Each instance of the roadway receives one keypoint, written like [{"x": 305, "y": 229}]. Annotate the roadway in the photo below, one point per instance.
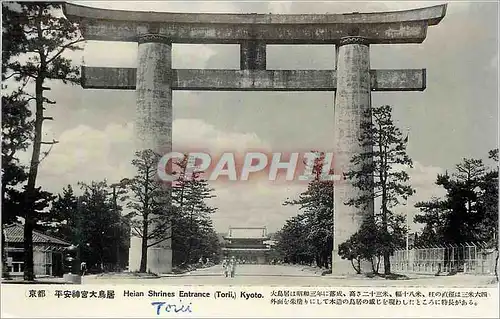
[{"x": 288, "y": 275}]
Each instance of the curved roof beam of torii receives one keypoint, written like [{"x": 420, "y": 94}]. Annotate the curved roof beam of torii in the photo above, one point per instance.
[
  {"x": 408, "y": 26},
  {"x": 432, "y": 15}
]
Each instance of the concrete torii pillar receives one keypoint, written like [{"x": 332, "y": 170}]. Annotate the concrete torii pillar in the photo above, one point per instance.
[
  {"x": 153, "y": 123},
  {"x": 352, "y": 100}
]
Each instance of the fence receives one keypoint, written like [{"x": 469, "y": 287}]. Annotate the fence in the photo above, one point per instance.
[{"x": 473, "y": 258}]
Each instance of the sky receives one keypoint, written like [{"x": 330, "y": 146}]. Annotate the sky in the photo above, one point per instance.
[{"x": 455, "y": 117}]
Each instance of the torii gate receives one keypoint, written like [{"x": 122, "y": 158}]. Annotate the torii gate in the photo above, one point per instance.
[{"x": 353, "y": 80}]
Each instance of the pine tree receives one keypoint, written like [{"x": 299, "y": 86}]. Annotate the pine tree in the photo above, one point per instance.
[
  {"x": 292, "y": 242},
  {"x": 365, "y": 244},
  {"x": 317, "y": 204},
  {"x": 434, "y": 219},
  {"x": 16, "y": 134},
  {"x": 40, "y": 34},
  {"x": 382, "y": 175},
  {"x": 118, "y": 195},
  {"x": 193, "y": 224},
  {"x": 17, "y": 131},
  {"x": 458, "y": 217},
  {"x": 489, "y": 203},
  {"x": 61, "y": 221},
  {"x": 96, "y": 226},
  {"x": 152, "y": 213},
  {"x": 469, "y": 211}
]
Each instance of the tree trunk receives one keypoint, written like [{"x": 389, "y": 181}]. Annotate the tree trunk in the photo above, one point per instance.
[
  {"x": 496, "y": 264},
  {"x": 5, "y": 272},
  {"x": 387, "y": 262},
  {"x": 372, "y": 261},
  {"x": 384, "y": 186},
  {"x": 29, "y": 217},
  {"x": 144, "y": 246},
  {"x": 101, "y": 252},
  {"x": 385, "y": 232},
  {"x": 358, "y": 269},
  {"x": 324, "y": 256},
  {"x": 117, "y": 229},
  {"x": 190, "y": 240}
]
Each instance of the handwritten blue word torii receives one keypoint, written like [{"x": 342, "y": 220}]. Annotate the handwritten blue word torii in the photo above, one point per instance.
[{"x": 171, "y": 307}]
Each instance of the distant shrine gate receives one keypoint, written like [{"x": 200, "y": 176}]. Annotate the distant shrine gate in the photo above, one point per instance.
[
  {"x": 248, "y": 245},
  {"x": 353, "y": 80}
]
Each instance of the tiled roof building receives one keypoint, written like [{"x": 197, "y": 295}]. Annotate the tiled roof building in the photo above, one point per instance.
[{"x": 15, "y": 234}]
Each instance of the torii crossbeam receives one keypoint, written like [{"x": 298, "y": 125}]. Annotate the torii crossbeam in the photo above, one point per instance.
[{"x": 353, "y": 80}]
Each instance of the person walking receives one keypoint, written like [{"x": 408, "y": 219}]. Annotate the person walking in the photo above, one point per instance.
[
  {"x": 232, "y": 266},
  {"x": 225, "y": 267},
  {"x": 83, "y": 268}
]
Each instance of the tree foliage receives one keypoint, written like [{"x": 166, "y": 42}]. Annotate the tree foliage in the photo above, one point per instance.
[
  {"x": 193, "y": 232},
  {"x": 365, "y": 244},
  {"x": 17, "y": 131},
  {"x": 36, "y": 35},
  {"x": 151, "y": 215},
  {"x": 381, "y": 175},
  {"x": 314, "y": 226},
  {"x": 292, "y": 242},
  {"x": 99, "y": 228},
  {"x": 469, "y": 210},
  {"x": 61, "y": 221},
  {"x": 93, "y": 221}
]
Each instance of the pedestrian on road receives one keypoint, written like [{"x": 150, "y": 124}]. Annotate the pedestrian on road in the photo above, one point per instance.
[
  {"x": 232, "y": 266},
  {"x": 83, "y": 268},
  {"x": 225, "y": 267}
]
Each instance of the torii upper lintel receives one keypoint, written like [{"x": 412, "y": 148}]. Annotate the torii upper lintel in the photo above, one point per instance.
[{"x": 408, "y": 26}]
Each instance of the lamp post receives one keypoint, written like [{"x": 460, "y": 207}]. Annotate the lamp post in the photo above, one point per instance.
[{"x": 72, "y": 265}]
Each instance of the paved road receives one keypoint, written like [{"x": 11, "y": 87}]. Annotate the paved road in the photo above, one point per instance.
[
  {"x": 278, "y": 275},
  {"x": 257, "y": 270}
]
